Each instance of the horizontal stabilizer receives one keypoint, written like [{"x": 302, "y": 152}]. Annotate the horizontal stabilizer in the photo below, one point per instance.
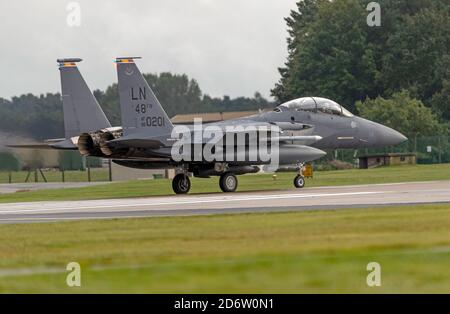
[
  {"x": 63, "y": 145},
  {"x": 66, "y": 144},
  {"x": 31, "y": 146}
]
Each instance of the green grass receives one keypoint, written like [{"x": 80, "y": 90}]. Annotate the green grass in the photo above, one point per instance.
[
  {"x": 97, "y": 174},
  {"x": 141, "y": 188},
  {"x": 318, "y": 251}
]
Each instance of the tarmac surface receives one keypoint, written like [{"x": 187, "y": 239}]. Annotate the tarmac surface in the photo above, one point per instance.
[{"x": 322, "y": 198}]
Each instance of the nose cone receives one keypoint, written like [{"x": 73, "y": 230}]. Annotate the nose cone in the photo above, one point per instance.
[
  {"x": 371, "y": 134},
  {"x": 388, "y": 137}
]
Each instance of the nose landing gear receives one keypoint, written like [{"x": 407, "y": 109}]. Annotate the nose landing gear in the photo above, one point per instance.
[
  {"x": 181, "y": 184},
  {"x": 299, "y": 180}
]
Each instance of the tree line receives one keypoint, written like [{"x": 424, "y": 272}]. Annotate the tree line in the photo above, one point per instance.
[
  {"x": 41, "y": 117},
  {"x": 397, "y": 74}
]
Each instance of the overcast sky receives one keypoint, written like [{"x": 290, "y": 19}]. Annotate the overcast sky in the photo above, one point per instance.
[{"x": 232, "y": 47}]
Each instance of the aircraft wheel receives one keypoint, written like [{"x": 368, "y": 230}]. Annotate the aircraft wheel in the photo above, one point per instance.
[
  {"x": 228, "y": 182},
  {"x": 299, "y": 181},
  {"x": 181, "y": 184}
]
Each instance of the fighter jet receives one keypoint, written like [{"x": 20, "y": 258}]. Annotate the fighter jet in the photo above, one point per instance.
[
  {"x": 293, "y": 133},
  {"x": 299, "y": 129}
]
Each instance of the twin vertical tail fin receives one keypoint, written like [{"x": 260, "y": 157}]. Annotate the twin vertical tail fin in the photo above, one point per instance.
[
  {"x": 140, "y": 109},
  {"x": 142, "y": 114},
  {"x": 82, "y": 113}
]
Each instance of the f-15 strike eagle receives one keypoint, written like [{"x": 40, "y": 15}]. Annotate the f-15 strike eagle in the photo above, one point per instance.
[{"x": 293, "y": 133}]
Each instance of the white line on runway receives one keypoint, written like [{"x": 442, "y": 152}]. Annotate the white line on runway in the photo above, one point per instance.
[
  {"x": 185, "y": 201},
  {"x": 74, "y": 218}
]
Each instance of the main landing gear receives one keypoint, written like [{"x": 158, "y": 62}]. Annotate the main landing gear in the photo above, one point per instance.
[
  {"x": 228, "y": 182},
  {"x": 181, "y": 183}
]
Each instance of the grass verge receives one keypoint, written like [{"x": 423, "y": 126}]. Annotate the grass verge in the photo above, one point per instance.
[{"x": 317, "y": 251}]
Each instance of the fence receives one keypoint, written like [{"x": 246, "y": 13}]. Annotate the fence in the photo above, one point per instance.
[
  {"x": 36, "y": 167},
  {"x": 429, "y": 150}
]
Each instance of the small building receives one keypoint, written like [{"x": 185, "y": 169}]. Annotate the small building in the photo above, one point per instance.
[{"x": 388, "y": 159}]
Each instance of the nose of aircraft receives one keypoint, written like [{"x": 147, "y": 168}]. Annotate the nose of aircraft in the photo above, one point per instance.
[
  {"x": 390, "y": 137},
  {"x": 377, "y": 135},
  {"x": 385, "y": 136}
]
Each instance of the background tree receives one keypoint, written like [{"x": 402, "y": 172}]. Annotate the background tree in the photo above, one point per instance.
[
  {"x": 336, "y": 54},
  {"x": 441, "y": 101},
  {"x": 225, "y": 103},
  {"x": 41, "y": 117},
  {"x": 298, "y": 23},
  {"x": 402, "y": 113},
  {"x": 332, "y": 57},
  {"x": 34, "y": 116},
  {"x": 417, "y": 54}
]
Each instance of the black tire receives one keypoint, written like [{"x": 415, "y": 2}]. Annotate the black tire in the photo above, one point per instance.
[
  {"x": 181, "y": 184},
  {"x": 299, "y": 181},
  {"x": 228, "y": 182}
]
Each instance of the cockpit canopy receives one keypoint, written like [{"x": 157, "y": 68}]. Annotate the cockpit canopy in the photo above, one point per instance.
[{"x": 315, "y": 104}]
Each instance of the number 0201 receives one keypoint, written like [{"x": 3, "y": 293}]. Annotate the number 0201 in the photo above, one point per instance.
[{"x": 154, "y": 121}]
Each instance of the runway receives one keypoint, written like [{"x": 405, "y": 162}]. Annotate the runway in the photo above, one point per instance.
[
  {"x": 16, "y": 187},
  {"x": 221, "y": 203}
]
